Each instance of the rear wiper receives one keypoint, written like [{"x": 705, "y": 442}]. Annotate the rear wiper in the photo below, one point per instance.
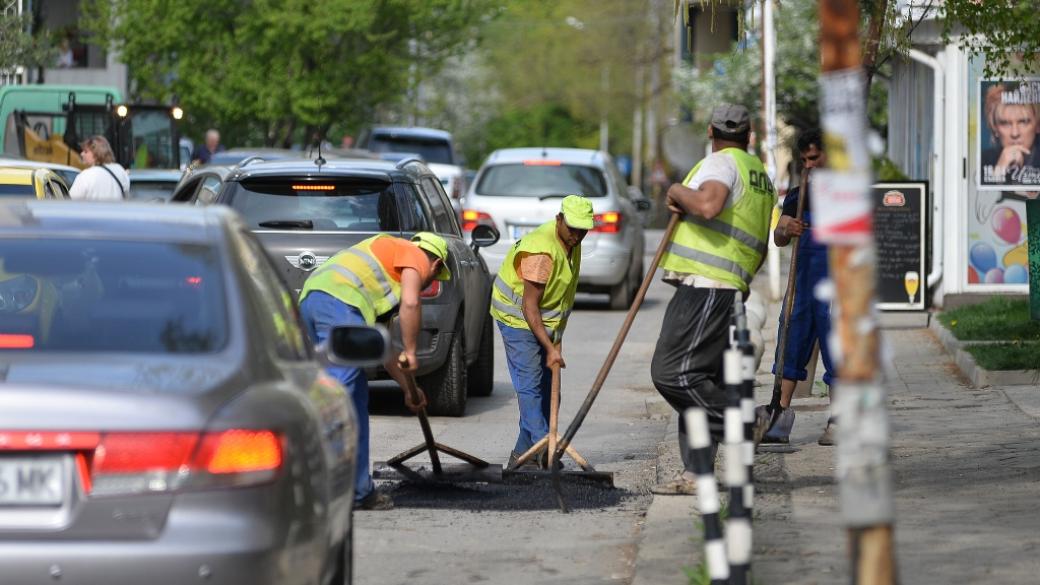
[
  {"x": 552, "y": 196},
  {"x": 292, "y": 224}
]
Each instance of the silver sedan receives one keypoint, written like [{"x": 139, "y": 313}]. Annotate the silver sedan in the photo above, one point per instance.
[{"x": 162, "y": 417}]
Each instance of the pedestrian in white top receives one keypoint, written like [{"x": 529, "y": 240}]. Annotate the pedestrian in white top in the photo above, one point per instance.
[{"x": 103, "y": 179}]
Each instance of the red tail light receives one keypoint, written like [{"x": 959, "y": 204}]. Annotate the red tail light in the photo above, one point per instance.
[
  {"x": 607, "y": 223},
  {"x": 128, "y": 463},
  {"x": 432, "y": 291},
  {"x": 471, "y": 218}
]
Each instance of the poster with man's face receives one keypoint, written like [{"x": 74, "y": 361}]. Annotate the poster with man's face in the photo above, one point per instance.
[{"x": 1009, "y": 120}]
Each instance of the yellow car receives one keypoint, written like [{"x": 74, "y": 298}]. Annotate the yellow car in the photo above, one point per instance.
[{"x": 29, "y": 182}]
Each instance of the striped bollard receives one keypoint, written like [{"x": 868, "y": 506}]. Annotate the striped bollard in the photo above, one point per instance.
[
  {"x": 707, "y": 495},
  {"x": 738, "y": 527},
  {"x": 747, "y": 401}
]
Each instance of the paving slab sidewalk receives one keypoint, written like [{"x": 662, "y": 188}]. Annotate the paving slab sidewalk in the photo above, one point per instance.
[{"x": 966, "y": 465}]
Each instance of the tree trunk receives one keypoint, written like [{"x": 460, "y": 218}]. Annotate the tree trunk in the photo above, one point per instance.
[{"x": 873, "y": 46}]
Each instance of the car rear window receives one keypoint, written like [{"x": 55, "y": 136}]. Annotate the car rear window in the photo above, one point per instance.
[
  {"x": 17, "y": 191},
  {"x": 109, "y": 295},
  {"x": 342, "y": 205},
  {"x": 151, "y": 190},
  {"x": 541, "y": 180},
  {"x": 432, "y": 150}
]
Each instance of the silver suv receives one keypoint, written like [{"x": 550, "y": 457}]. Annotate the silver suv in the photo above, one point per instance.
[{"x": 518, "y": 189}]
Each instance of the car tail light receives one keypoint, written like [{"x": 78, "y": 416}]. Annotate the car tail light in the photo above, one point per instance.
[
  {"x": 541, "y": 162},
  {"x": 129, "y": 463},
  {"x": 607, "y": 223},
  {"x": 16, "y": 341},
  {"x": 433, "y": 291},
  {"x": 471, "y": 218}
]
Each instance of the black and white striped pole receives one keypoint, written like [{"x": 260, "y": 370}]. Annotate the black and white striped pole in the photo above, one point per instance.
[
  {"x": 747, "y": 398},
  {"x": 738, "y": 527},
  {"x": 707, "y": 495}
]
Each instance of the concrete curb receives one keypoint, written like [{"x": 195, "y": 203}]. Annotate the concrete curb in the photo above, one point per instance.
[{"x": 978, "y": 376}]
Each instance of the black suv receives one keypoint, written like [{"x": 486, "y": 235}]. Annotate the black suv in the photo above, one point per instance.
[{"x": 305, "y": 211}]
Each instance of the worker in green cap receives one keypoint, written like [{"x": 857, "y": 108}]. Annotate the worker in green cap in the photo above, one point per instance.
[
  {"x": 357, "y": 286},
  {"x": 531, "y": 300}
]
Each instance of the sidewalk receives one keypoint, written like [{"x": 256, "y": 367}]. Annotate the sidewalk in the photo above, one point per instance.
[{"x": 966, "y": 464}]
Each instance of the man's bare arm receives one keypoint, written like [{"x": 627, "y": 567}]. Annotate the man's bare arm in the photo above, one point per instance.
[{"x": 707, "y": 202}]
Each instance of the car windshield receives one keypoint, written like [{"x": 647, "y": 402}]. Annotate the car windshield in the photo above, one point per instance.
[
  {"x": 542, "y": 180},
  {"x": 151, "y": 190},
  {"x": 340, "y": 205},
  {"x": 432, "y": 150},
  {"x": 110, "y": 295},
  {"x": 17, "y": 191}
]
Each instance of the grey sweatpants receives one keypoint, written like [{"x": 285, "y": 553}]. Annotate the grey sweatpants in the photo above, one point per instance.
[{"x": 687, "y": 364}]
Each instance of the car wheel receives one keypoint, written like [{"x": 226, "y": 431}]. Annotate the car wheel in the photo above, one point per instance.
[
  {"x": 481, "y": 375},
  {"x": 446, "y": 388},
  {"x": 623, "y": 293},
  {"x": 344, "y": 574}
]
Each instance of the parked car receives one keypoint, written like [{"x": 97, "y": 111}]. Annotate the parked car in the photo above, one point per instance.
[
  {"x": 200, "y": 185},
  {"x": 304, "y": 212},
  {"x": 518, "y": 189},
  {"x": 153, "y": 185},
  {"x": 167, "y": 408},
  {"x": 435, "y": 147},
  {"x": 66, "y": 172},
  {"x": 38, "y": 183}
]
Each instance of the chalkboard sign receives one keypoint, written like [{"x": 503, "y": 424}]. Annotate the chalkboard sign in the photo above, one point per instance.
[{"x": 900, "y": 213}]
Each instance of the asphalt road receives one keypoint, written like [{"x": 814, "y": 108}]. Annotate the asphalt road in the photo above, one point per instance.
[{"x": 513, "y": 533}]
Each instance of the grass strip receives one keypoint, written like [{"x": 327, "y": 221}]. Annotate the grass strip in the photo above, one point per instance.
[
  {"x": 998, "y": 319},
  {"x": 1006, "y": 356}
]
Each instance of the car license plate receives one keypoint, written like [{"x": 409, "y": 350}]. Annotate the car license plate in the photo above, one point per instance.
[
  {"x": 31, "y": 481},
  {"x": 519, "y": 231}
]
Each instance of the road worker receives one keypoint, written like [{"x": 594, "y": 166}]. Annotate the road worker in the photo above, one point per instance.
[
  {"x": 726, "y": 202},
  {"x": 357, "y": 286},
  {"x": 531, "y": 300}
]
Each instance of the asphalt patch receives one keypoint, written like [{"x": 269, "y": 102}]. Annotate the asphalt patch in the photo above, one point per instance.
[{"x": 516, "y": 494}]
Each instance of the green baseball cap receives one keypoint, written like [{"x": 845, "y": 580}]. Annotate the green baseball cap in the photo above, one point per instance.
[
  {"x": 577, "y": 212},
  {"x": 435, "y": 245}
]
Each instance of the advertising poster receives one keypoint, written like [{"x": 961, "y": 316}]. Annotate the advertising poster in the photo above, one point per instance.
[
  {"x": 900, "y": 211},
  {"x": 1007, "y": 163}
]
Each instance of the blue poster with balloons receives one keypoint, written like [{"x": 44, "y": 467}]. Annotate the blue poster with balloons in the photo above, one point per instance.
[{"x": 997, "y": 251}]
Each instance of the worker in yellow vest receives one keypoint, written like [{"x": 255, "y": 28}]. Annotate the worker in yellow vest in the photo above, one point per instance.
[
  {"x": 531, "y": 300},
  {"x": 357, "y": 286},
  {"x": 715, "y": 251}
]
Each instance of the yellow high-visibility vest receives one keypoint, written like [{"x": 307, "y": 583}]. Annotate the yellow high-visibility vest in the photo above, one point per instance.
[
  {"x": 356, "y": 277},
  {"x": 730, "y": 247},
  {"x": 558, "y": 299}
]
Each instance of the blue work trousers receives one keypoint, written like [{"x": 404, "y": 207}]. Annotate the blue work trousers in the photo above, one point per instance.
[
  {"x": 321, "y": 312},
  {"x": 810, "y": 320},
  {"x": 532, "y": 381}
]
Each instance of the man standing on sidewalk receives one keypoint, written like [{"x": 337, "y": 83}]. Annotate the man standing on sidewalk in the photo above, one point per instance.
[
  {"x": 727, "y": 201},
  {"x": 531, "y": 300},
  {"x": 810, "y": 320},
  {"x": 356, "y": 286}
]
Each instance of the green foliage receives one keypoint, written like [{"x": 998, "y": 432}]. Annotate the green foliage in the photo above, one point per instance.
[
  {"x": 278, "y": 71},
  {"x": 886, "y": 170},
  {"x": 20, "y": 48},
  {"x": 997, "y": 319},
  {"x": 1006, "y": 32},
  {"x": 1007, "y": 356}
]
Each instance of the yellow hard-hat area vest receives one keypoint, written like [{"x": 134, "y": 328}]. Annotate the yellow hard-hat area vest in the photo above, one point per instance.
[
  {"x": 357, "y": 278},
  {"x": 728, "y": 248},
  {"x": 558, "y": 299}
]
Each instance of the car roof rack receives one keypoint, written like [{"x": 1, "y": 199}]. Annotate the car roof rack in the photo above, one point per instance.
[
  {"x": 250, "y": 160},
  {"x": 408, "y": 160}
]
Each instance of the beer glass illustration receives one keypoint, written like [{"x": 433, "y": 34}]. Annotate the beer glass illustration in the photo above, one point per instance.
[{"x": 911, "y": 280}]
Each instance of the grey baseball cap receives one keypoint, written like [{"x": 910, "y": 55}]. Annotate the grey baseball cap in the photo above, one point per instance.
[{"x": 730, "y": 118}]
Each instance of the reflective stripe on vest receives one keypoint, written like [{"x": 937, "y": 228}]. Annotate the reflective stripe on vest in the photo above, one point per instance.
[
  {"x": 732, "y": 231},
  {"x": 377, "y": 269},
  {"x": 710, "y": 259},
  {"x": 517, "y": 303}
]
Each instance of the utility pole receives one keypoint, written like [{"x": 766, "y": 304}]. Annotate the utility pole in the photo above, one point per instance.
[{"x": 842, "y": 217}]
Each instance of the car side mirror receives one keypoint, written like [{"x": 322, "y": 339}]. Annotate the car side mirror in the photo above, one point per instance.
[
  {"x": 484, "y": 235},
  {"x": 357, "y": 345}
]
